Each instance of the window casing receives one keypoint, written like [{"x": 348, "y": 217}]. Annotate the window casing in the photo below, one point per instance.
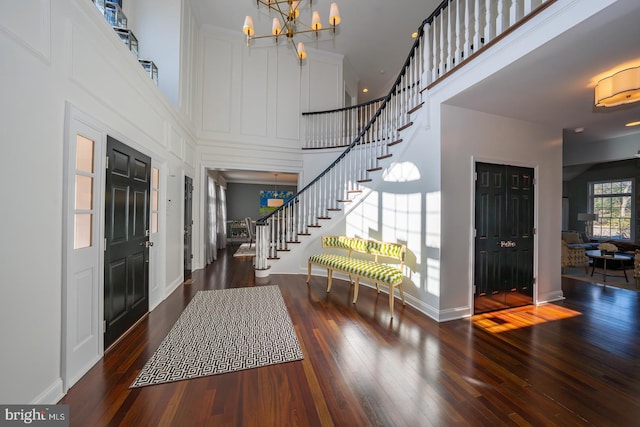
[{"x": 613, "y": 202}]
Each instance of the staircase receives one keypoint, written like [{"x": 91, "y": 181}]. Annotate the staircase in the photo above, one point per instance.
[{"x": 452, "y": 35}]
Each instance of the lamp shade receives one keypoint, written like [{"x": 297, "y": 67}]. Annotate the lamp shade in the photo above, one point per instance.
[
  {"x": 334, "y": 14},
  {"x": 587, "y": 216},
  {"x": 276, "y": 28},
  {"x": 247, "y": 28},
  {"x": 294, "y": 11},
  {"x": 315, "y": 21},
  {"x": 301, "y": 52},
  {"x": 620, "y": 88}
]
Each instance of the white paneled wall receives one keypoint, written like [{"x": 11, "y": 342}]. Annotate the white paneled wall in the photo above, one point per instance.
[
  {"x": 255, "y": 94},
  {"x": 57, "y": 57}
]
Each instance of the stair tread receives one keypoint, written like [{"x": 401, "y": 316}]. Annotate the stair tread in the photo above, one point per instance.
[
  {"x": 397, "y": 141},
  {"x": 403, "y": 127},
  {"x": 416, "y": 108}
]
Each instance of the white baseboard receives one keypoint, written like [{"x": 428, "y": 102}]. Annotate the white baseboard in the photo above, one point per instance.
[
  {"x": 172, "y": 287},
  {"x": 421, "y": 306},
  {"x": 51, "y": 395},
  {"x": 557, "y": 295}
]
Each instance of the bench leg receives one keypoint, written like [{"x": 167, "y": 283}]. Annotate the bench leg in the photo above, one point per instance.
[
  {"x": 355, "y": 289},
  {"x": 391, "y": 299},
  {"x": 377, "y": 286},
  {"x": 329, "y": 277},
  {"x": 309, "y": 273}
]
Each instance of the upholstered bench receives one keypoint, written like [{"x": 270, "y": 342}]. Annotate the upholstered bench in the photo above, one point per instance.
[{"x": 371, "y": 268}]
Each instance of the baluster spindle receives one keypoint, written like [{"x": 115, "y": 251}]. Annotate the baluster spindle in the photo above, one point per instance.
[
  {"x": 500, "y": 18},
  {"x": 488, "y": 29},
  {"x": 466, "y": 47}
]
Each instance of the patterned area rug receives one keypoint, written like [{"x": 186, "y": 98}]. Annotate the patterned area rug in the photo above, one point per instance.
[
  {"x": 246, "y": 249},
  {"x": 614, "y": 278},
  {"x": 223, "y": 331}
]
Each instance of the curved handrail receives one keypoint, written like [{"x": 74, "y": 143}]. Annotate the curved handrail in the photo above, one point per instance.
[
  {"x": 363, "y": 132},
  {"x": 337, "y": 110}
]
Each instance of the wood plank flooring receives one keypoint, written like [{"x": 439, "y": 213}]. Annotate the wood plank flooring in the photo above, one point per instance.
[{"x": 574, "y": 363}]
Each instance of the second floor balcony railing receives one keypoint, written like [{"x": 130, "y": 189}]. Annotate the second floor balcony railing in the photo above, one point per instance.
[{"x": 453, "y": 34}]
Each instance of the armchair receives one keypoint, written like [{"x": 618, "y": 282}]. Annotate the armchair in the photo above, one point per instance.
[{"x": 576, "y": 257}]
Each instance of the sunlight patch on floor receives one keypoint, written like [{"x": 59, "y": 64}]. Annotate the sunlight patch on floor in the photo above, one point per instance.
[{"x": 521, "y": 317}]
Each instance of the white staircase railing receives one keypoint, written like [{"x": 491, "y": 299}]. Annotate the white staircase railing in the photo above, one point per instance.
[{"x": 453, "y": 34}]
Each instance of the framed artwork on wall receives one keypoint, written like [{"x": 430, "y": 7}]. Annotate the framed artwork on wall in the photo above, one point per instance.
[{"x": 270, "y": 200}]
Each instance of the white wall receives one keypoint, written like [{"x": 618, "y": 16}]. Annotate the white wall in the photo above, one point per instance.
[
  {"x": 157, "y": 25},
  {"x": 248, "y": 104},
  {"x": 495, "y": 139},
  {"x": 54, "y": 54}
]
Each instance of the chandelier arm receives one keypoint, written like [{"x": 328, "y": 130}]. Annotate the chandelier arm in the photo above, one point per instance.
[{"x": 268, "y": 36}]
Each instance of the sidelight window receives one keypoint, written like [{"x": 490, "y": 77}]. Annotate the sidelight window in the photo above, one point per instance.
[
  {"x": 612, "y": 202},
  {"x": 155, "y": 193},
  {"x": 83, "y": 207}
]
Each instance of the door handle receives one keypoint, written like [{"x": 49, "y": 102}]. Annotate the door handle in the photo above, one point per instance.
[
  {"x": 507, "y": 244},
  {"x": 146, "y": 244}
]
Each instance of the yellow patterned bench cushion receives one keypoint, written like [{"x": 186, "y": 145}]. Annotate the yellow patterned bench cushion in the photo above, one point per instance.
[
  {"x": 363, "y": 268},
  {"x": 366, "y": 268}
]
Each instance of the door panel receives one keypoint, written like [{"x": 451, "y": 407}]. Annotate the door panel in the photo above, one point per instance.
[
  {"x": 188, "y": 226},
  {"x": 503, "y": 272},
  {"x": 127, "y": 196}
]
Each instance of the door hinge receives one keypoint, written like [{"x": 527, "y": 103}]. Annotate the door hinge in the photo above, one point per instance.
[
  {"x": 191, "y": 256},
  {"x": 533, "y": 282},
  {"x": 107, "y": 162},
  {"x": 104, "y": 326},
  {"x": 475, "y": 176},
  {"x": 474, "y": 289},
  {"x": 534, "y": 231},
  {"x": 105, "y": 244},
  {"x": 475, "y": 233}
]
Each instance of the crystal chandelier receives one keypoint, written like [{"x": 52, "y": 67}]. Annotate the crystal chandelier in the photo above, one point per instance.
[{"x": 287, "y": 23}]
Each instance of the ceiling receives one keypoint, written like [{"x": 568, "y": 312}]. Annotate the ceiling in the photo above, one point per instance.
[{"x": 374, "y": 37}]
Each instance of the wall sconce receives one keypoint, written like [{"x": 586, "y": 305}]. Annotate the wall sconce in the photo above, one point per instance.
[{"x": 620, "y": 88}]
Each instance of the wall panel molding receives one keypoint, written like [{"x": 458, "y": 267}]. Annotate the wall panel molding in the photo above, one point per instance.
[{"x": 29, "y": 23}]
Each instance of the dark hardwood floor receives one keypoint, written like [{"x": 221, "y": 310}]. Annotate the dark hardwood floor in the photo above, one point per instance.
[{"x": 572, "y": 363}]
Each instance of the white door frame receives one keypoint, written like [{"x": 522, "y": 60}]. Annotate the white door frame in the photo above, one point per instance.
[
  {"x": 82, "y": 269},
  {"x": 82, "y": 330}
]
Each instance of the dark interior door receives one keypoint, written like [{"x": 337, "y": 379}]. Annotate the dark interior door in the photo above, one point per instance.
[
  {"x": 188, "y": 226},
  {"x": 126, "y": 268},
  {"x": 504, "y": 237}
]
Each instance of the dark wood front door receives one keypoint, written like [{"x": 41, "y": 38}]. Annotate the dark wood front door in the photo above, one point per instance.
[
  {"x": 126, "y": 257},
  {"x": 188, "y": 226},
  {"x": 504, "y": 237}
]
